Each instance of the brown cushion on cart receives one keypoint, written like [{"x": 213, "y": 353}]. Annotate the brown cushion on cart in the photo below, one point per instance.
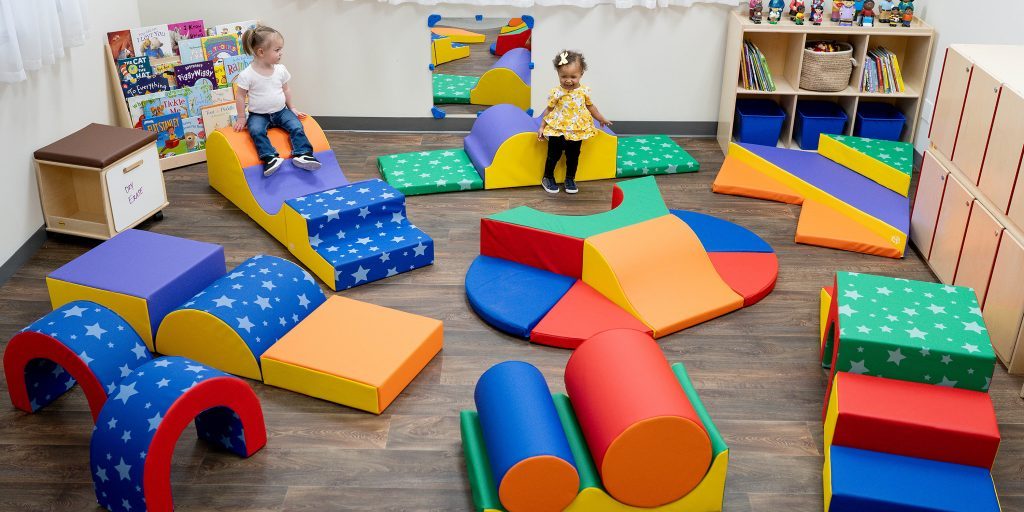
[{"x": 96, "y": 145}]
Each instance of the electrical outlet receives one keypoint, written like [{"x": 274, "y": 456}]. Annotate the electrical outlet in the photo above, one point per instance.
[{"x": 927, "y": 110}]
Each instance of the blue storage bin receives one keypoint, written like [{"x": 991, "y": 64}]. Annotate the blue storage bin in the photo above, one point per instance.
[
  {"x": 879, "y": 121},
  {"x": 758, "y": 122},
  {"x": 814, "y": 118}
]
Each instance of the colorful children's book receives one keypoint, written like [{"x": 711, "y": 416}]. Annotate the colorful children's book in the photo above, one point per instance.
[
  {"x": 133, "y": 68},
  {"x": 234, "y": 65},
  {"x": 236, "y": 29},
  {"x": 222, "y": 95},
  {"x": 191, "y": 51},
  {"x": 170, "y": 133},
  {"x": 183, "y": 31},
  {"x": 195, "y": 134},
  {"x": 219, "y": 116},
  {"x": 145, "y": 85},
  {"x": 137, "y": 106},
  {"x": 199, "y": 95},
  {"x": 219, "y": 47},
  {"x": 188, "y": 75},
  {"x": 174, "y": 101},
  {"x": 218, "y": 70},
  {"x": 120, "y": 43},
  {"x": 153, "y": 41}
]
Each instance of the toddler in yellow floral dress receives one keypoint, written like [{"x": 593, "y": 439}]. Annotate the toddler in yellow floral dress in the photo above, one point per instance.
[{"x": 568, "y": 120}]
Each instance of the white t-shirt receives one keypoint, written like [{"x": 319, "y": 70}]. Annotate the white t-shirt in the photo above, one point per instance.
[{"x": 266, "y": 93}]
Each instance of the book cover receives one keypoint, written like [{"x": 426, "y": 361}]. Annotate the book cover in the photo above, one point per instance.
[
  {"x": 195, "y": 134},
  {"x": 219, "y": 116},
  {"x": 198, "y": 96},
  {"x": 222, "y": 95},
  {"x": 174, "y": 101},
  {"x": 219, "y": 47},
  {"x": 120, "y": 43},
  {"x": 145, "y": 85},
  {"x": 133, "y": 68},
  {"x": 137, "y": 106},
  {"x": 234, "y": 65},
  {"x": 191, "y": 51},
  {"x": 165, "y": 67},
  {"x": 236, "y": 29},
  {"x": 184, "y": 31},
  {"x": 218, "y": 70},
  {"x": 169, "y": 134},
  {"x": 153, "y": 41},
  {"x": 187, "y": 75}
]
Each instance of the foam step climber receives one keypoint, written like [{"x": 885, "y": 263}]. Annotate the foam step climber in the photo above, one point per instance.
[
  {"x": 651, "y": 154},
  {"x": 430, "y": 172}
]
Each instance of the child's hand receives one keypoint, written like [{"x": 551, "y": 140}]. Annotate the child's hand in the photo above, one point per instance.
[
  {"x": 540, "y": 134},
  {"x": 606, "y": 122},
  {"x": 239, "y": 125},
  {"x": 299, "y": 114}
]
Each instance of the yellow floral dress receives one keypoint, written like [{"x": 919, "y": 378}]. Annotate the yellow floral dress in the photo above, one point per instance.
[{"x": 568, "y": 115}]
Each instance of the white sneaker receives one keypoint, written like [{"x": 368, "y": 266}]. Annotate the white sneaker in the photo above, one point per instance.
[
  {"x": 271, "y": 166},
  {"x": 307, "y": 162}
]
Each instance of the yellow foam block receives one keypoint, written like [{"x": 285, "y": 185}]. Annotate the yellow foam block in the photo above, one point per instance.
[
  {"x": 659, "y": 272},
  {"x": 441, "y": 51},
  {"x": 826, "y": 304},
  {"x": 459, "y": 35},
  {"x": 863, "y": 164},
  {"x": 353, "y": 353},
  {"x": 519, "y": 161},
  {"x": 202, "y": 337},
  {"x": 706, "y": 497},
  {"x": 135, "y": 310},
  {"x": 812, "y": 193},
  {"x": 500, "y": 85},
  {"x": 297, "y": 242}
]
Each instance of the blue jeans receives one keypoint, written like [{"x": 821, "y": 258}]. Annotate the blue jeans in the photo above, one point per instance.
[{"x": 258, "y": 125}]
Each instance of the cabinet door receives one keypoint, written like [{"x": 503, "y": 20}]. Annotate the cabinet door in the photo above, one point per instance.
[
  {"x": 949, "y": 104},
  {"x": 976, "y": 123},
  {"x": 1004, "y": 303},
  {"x": 930, "y": 185},
  {"x": 980, "y": 245},
  {"x": 135, "y": 186},
  {"x": 950, "y": 229},
  {"x": 1005, "y": 147}
]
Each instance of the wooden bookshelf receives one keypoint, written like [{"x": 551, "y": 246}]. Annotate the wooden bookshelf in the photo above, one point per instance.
[{"x": 782, "y": 46}]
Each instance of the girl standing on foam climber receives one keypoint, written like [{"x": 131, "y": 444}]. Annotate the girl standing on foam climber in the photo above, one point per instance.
[
  {"x": 265, "y": 83},
  {"x": 568, "y": 120}
]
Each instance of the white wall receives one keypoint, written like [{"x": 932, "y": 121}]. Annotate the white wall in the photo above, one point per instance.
[{"x": 52, "y": 103}]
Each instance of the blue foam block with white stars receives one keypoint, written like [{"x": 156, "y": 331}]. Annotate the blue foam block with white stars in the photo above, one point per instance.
[
  {"x": 261, "y": 299},
  {"x": 102, "y": 340},
  {"x": 131, "y": 417},
  {"x": 362, "y": 231}
]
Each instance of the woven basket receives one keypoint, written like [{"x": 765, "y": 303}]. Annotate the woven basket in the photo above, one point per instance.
[{"x": 827, "y": 71}]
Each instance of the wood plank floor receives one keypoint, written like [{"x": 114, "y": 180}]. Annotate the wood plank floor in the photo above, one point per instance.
[{"x": 755, "y": 369}]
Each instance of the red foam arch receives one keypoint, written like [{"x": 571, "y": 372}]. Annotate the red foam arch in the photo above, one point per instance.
[{"x": 27, "y": 346}]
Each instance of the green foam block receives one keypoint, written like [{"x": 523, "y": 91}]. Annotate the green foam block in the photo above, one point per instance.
[
  {"x": 430, "y": 172},
  {"x": 652, "y": 154},
  {"x": 453, "y": 88}
]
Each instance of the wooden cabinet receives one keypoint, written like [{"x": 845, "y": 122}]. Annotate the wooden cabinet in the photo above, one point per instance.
[
  {"x": 949, "y": 104},
  {"x": 954, "y": 212},
  {"x": 1003, "y": 308},
  {"x": 930, "y": 186},
  {"x": 981, "y": 241},
  {"x": 1000, "y": 170},
  {"x": 976, "y": 123}
]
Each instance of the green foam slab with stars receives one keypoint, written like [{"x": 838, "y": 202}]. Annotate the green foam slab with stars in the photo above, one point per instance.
[
  {"x": 453, "y": 88},
  {"x": 430, "y": 172},
  {"x": 652, "y": 154}
]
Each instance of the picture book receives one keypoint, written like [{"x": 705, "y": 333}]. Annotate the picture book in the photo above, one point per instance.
[
  {"x": 191, "y": 51},
  {"x": 137, "y": 106},
  {"x": 165, "y": 67},
  {"x": 234, "y": 65},
  {"x": 223, "y": 94},
  {"x": 195, "y": 134},
  {"x": 145, "y": 85},
  {"x": 236, "y": 29},
  {"x": 169, "y": 131},
  {"x": 133, "y": 68},
  {"x": 219, "y": 116},
  {"x": 120, "y": 43},
  {"x": 174, "y": 101},
  {"x": 219, "y": 47},
  {"x": 187, "y": 75},
  {"x": 218, "y": 70},
  {"x": 184, "y": 31},
  {"x": 198, "y": 96},
  {"x": 153, "y": 41}
]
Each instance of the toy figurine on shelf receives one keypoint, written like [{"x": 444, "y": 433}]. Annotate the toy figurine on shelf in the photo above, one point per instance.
[
  {"x": 799, "y": 19},
  {"x": 884, "y": 11},
  {"x": 858, "y": 6},
  {"x": 867, "y": 16},
  {"x": 794, "y": 8},
  {"x": 818, "y": 15},
  {"x": 846, "y": 14},
  {"x": 907, "y": 8},
  {"x": 894, "y": 16},
  {"x": 775, "y": 11},
  {"x": 756, "y": 11}
]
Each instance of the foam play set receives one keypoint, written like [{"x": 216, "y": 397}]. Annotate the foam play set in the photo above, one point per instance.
[
  {"x": 516, "y": 34},
  {"x": 842, "y": 208},
  {"x": 444, "y": 49},
  {"x": 631, "y": 434},
  {"x": 346, "y": 234},
  {"x": 506, "y": 81},
  {"x": 502, "y": 151},
  {"x": 542, "y": 276}
]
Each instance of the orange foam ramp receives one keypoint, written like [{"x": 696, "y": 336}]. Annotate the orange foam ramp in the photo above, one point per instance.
[
  {"x": 244, "y": 148},
  {"x": 581, "y": 314},
  {"x": 353, "y": 353},
  {"x": 750, "y": 274},
  {"x": 825, "y": 227},
  {"x": 658, "y": 271},
  {"x": 738, "y": 178}
]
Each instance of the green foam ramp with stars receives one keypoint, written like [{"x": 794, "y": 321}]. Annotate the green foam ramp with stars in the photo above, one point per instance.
[
  {"x": 430, "y": 172},
  {"x": 888, "y": 163},
  {"x": 652, "y": 154}
]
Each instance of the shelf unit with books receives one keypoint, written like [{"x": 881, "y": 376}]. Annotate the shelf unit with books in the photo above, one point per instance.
[{"x": 783, "y": 45}]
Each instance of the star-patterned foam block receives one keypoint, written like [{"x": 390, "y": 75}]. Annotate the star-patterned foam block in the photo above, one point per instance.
[
  {"x": 363, "y": 232},
  {"x": 238, "y": 317},
  {"x": 78, "y": 342},
  {"x": 430, "y": 172},
  {"x": 453, "y": 88},
  {"x": 652, "y": 154},
  {"x": 908, "y": 330},
  {"x": 134, "y": 438},
  {"x": 888, "y": 163}
]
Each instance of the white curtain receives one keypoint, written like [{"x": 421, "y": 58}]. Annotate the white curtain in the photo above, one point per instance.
[
  {"x": 622, "y": 4},
  {"x": 34, "y": 33}
]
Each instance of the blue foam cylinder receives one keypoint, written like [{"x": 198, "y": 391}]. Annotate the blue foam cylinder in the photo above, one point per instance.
[{"x": 518, "y": 417}]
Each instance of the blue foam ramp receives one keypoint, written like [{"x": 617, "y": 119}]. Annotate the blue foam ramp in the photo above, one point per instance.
[
  {"x": 863, "y": 480},
  {"x": 513, "y": 297},
  {"x": 717, "y": 235}
]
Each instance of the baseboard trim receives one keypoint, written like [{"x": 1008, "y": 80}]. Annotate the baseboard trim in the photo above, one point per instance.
[
  {"x": 463, "y": 124},
  {"x": 23, "y": 254}
]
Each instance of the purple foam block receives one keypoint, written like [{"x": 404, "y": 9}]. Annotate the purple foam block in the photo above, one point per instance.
[
  {"x": 494, "y": 126},
  {"x": 164, "y": 270},
  {"x": 518, "y": 60},
  {"x": 290, "y": 182},
  {"x": 841, "y": 183}
]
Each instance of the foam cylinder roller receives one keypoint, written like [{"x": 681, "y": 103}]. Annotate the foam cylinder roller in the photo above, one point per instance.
[
  {"x": 647, "y": 441},
  {"x": 529, "y": 454}
]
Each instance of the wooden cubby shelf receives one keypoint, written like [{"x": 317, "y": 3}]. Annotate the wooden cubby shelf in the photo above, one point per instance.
[{"x": 783, "y": 45}]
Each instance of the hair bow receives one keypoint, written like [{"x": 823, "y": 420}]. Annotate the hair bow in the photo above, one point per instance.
[{"x": 564, "y": 58}]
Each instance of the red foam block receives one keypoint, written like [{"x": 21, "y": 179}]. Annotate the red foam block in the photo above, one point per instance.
[
  {"x": 534, "y": 247},
  {"x": 581, "y": 314},
  {"x": 750, "y": 274}
]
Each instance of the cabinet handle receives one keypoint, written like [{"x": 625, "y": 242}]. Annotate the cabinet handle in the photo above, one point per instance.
[
  {"x": 967, "y": 69},
  {"x": 132, "y": 167}
]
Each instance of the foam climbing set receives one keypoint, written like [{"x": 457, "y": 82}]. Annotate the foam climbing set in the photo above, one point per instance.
[
  {"x": 644, "y": 267},
  {"x": 502, "y": 150},
  {"x": 649, "y": 444},
  {"x": 346, "y": 234},
  {"x": 841, "y": 208},
  {"x": 888, "y": 163},
  {"x": 506, "y": 81}
]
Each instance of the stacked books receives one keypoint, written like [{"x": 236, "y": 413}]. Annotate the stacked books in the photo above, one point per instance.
[
  {"x": 882, "y": 72},
  {"x": 754, "y": 71}
]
